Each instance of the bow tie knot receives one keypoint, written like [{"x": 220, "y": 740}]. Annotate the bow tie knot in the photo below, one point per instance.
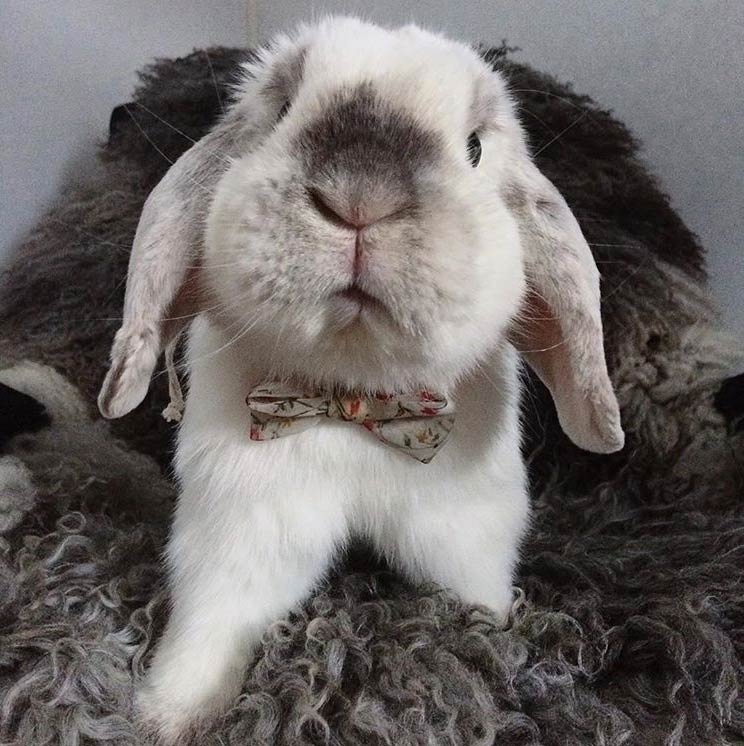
[{"x": 417, "y": 424}]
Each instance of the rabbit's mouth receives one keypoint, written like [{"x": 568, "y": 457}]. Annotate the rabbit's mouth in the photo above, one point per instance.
[
  {"x": 352, "y": 304},
  {"x": 355, "y": 294}
]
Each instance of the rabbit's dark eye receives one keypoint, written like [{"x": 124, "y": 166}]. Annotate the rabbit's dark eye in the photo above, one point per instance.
[
  {"x": 474, "y": 149},
  {"x": 283, "y": 111}
]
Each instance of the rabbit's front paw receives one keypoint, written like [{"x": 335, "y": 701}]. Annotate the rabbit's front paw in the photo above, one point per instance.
[{"x": 179, "y": 711}]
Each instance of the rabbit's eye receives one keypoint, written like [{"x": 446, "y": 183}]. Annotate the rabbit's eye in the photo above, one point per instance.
[
  {"x": 474, "y": 149},
  {"x": 283, "y": 111}
]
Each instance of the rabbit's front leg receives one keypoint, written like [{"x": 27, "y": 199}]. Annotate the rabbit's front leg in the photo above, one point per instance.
[
  {"x": 240, "y": 556},
  {"x": 464, "y": 536}
]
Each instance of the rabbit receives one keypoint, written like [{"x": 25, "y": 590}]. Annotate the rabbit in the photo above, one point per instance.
[{"x": 366, "y": 219}]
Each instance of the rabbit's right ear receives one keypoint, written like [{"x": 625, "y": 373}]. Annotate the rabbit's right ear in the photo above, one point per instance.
[
  {"x": 163, "y": 292},
  {"x": 560, "y": 329}
]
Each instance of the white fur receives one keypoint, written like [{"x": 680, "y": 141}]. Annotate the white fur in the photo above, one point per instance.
[{"x": 259, "y": 523}]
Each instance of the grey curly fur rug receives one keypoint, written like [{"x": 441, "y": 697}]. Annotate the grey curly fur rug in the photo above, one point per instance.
[{"x": 628, "y": 626}]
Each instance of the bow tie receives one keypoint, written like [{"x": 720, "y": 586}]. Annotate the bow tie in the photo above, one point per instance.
[{"x": 418, "y": 424}]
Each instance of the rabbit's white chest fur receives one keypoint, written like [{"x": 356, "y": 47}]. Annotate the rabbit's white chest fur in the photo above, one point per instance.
[{"x": 336, "y": 480}]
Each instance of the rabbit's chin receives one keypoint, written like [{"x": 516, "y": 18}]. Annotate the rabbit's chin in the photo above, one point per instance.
[{"x": 354, "y": 348}]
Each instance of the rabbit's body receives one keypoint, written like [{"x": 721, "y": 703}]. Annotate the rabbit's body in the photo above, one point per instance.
[
  {"x": 258, "y": 524},
  {"x": 365, "y": 219}
]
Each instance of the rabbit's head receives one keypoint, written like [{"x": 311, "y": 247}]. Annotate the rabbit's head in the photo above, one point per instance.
[{"x": 366, "y": 215}]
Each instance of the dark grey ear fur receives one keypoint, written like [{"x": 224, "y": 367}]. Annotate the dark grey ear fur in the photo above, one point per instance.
[{"x": 162, "y": 287}]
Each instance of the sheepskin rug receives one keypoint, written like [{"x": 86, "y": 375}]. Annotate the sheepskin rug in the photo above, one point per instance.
[{"x": 628, "y": 620}]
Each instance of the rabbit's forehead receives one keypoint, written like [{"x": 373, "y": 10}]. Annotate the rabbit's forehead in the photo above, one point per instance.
[{"x": 430, "y": 76}]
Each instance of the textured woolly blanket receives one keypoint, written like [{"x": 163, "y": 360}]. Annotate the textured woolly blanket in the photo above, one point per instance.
[{"x": 628, "y": 624}]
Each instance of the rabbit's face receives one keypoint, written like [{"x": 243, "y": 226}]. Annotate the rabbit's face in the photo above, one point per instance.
[
  {"x": 363, "y": 239},
  {"x": 365, "y": 216}
]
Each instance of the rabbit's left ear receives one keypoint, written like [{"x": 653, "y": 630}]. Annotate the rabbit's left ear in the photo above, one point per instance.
[{"x": 559, "y": 330}]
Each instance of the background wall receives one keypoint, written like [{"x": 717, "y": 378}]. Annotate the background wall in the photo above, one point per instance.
[
  {"x": 672, "y": 69},
  {"x": 65, "y": 64}
]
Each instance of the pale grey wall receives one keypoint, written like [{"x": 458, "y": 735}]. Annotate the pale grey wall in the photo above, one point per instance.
[
  {"x": 672, "y": 69},
  {"x": 64, "y": 64}
]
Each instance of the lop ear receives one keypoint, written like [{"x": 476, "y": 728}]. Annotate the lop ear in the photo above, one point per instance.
[
  {"x": 163, "y": 291},
  {"x": 559, "y": 330}
]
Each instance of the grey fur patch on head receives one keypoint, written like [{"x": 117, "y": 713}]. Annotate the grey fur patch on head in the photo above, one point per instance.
[
  {"x": 629, "y": 628},
  {"x": 360, "y": 134}
]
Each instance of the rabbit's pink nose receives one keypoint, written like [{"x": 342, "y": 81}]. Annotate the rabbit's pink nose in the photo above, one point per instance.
[{"x": 335, "y": 214}]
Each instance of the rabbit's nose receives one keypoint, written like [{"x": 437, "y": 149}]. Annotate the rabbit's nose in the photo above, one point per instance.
[
  {"x": 334, "y": 212},
  {"x": 355, "y": 213}
]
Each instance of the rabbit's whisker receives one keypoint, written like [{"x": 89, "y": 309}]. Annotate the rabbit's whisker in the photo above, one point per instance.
[
  {"x": 561, "y": 133},
  {"x": 147, "y": 137},
  {"x": 214, "y": 80}
]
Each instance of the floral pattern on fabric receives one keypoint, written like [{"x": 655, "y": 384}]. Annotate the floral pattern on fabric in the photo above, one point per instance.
[{"x": 417, "y": 424}]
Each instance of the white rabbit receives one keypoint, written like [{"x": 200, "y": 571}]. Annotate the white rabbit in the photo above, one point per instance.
[{"x": 365, "y": 218}]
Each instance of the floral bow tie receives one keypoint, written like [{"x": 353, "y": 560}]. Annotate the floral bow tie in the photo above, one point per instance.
[{"x": 418, "y": 424}]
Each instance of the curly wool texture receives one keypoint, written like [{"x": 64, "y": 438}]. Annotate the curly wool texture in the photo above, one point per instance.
[{"x": 629, "y": 625}]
